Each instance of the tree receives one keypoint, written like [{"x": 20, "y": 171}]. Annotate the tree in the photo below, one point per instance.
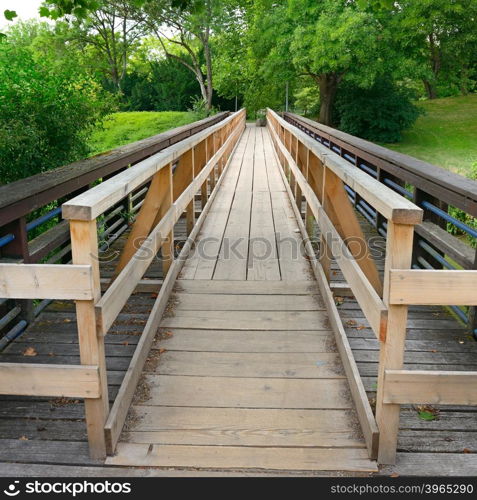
[
  {"x": 184, "y": 30},
  {"x": 335, "y": 41},
  {"x": 441, "y": 37},
  {"x": 47, "y": 111},
  {"x": 112, "y": 33}
]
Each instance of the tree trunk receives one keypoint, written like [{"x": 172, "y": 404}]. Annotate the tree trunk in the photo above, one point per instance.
[
  {"x": 430, "y": 89},
  {"x": 328, "y": 83}
]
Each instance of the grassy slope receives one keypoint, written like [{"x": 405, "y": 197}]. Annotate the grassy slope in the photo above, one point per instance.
[
  {"x": 123, "y": 128},
  {"x": 446, "y": 135}
]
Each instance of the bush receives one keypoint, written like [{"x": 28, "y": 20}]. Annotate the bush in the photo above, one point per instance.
[
  {"x": 47, "y": 113},
  {"x": 379, "y": 113}
]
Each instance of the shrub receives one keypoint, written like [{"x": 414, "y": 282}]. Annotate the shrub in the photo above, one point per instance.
[
  {"x": 379, "y": 113},
  {"x": 47, "y": 113}
]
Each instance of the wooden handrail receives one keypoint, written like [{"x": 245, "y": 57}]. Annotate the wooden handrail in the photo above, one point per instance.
[
  {"x": 19, "y": 198},
  {"x": 392, "y": 206},
  {"x": 447, "y": 186},
  {"x": 371, "y": 303},
  {"x": 321, "y": 176},
  {"x": 94, "y": 202}
]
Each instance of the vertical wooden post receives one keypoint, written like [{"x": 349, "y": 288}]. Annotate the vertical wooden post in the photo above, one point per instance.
[
  {"x": 391, "y": 356},
  {"x": 325, "y": 252},
  {"x": 19, "y": 251},
  {"x": 84, "y": 249},
  {"x": 166, "y": 194},
  {"x": 190, "y": 210},
  {"x": 199, "y": 163}
]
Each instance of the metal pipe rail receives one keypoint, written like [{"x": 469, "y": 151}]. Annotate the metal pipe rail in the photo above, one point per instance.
[{"x": 432, "y": 188}]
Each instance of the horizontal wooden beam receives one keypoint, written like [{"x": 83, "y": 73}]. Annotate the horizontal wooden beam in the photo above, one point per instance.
[
  {"x": 386, "y": 201},
  {"x": 46, "y": 281},
  {"x": 439, "y": 387},
  {"x": 143, "y": 286},
  {"x": 28, "y": 379},
  {"x": 433, "y": 287},
  {"x": 94, "y": 202}
]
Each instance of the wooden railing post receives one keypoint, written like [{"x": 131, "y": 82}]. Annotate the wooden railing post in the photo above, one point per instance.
[
  {"x": 84, "y": 248},
  {"x": 166, "y": 193},
  {"x": 398, "y": 256},
  {"x": 199, "y": 162}
]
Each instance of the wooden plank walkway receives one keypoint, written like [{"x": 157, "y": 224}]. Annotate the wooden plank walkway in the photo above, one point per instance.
[
  {"x": 47, "y": 436},
  {"x": 247, "y": 375}
]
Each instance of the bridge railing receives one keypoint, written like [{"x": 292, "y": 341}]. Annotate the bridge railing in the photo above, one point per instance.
[
  {"x": 449, "y": 202},
  {"x": 31, "y": 227},
  {"x": 322, "y": 177},
  {"x": 169, "y": 181}
]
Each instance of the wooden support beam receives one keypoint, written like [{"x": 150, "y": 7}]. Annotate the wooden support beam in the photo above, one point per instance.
[
  {"x": 166, "y": 193},
  {"x": 84, "y": 249},
  {"x": 31, "y": 379},
  {"x": 391, "y": 356},
  {"x": 433, "y": 287},
  {"x": 421, "y": 387},
  {"x": 145, "y": 221},
  {"x": 94, "y": 202},
  {"x": 390, "y": 204},
  {"x": 46, "y": 281},
  {"x": 346, "y": 222}
]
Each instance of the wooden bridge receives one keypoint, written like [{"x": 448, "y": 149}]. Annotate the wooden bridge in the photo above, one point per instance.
[{"x": 244, "y": 308}]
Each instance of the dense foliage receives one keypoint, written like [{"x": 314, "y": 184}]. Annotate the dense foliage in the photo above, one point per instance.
[
  {"x": 47, "y": 113},
  {"x": 378, "y": 113},
  {"x": 353, "y": 64}
]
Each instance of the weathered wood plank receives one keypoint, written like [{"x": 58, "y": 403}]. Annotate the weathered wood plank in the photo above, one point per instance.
[
  {"x": 30, "y": 379},
  {"x": 243, "y": 457},
  {"x": 223, "y": 392},
  {"x": 248, "y": 320},
  {"x": 46, "y": 281},
  {"x": 260, "y": 365},
  {"x": 430, "y": 287},
  {"x": 248, "y": 287},
  {"x": 213, "y": 302},
  {"x": 258, "y": 341},
  {"x": 412, "y": 386},
  {"x": 244, "y": 427}
]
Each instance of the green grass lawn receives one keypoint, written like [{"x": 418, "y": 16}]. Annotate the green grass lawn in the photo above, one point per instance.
[
  {"x": 446, "y": 135},
  {"x": 122, "y": 128}
]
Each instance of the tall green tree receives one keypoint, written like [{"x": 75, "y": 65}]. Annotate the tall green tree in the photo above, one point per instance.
[{"x": 441, "y": 37}]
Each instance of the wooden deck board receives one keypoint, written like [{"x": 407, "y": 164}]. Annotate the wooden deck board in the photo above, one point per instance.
[{"x": 283, "y": 369}]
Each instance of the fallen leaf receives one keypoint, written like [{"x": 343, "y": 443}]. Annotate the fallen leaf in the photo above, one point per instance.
[
  {"x": 394, "y": 474},
  {"x": 125, "y": 342},
  {"x": 351, "y": 322},
  {"x": 30, "y": 351},
  {"x": 23, "y": 438},
  {"x": 466, "y": 450},
  {"x": 154, "y": 295},
  {"x": 360, "y": 327},
  {"x": 162, "y": 350}
]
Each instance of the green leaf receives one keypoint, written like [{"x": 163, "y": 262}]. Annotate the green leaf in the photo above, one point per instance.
[
  {"x": 427, "y": 415},
  {"x": 10, "y": 14},
  {"x": 44, "y": 12}
]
